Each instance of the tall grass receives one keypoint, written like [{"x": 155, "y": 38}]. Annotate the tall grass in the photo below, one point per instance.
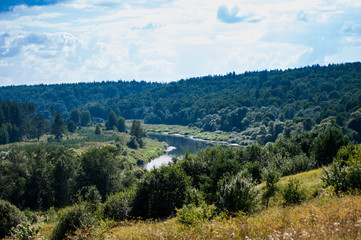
[{"x": 322, "y": 218}]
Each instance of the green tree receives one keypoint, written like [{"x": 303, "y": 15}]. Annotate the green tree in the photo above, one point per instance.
[
  {"x": 85, "y": 118},
  {"x": 160, "y": 192},
  {"x": 71, "y": 126},
  {"x": 10, "y": 216},
  {"x": 327, "y": 144},
  {"x": 112, "y": 120},
  {"x": 39, "y": 125},
  {"x": 100, "y": 167},
  {"x": 75, "y": 116},
  {"x": 98, "y": 130},
  {"x": 136, "y": 129},
  {"x": 121, "y": 124},
  {"x": 237, "y": 194},
  {"x": 355, "y": 122},
  {"x": 58, "y": 126}
]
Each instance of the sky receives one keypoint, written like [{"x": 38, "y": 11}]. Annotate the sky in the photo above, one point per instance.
[{"x": 67, "y": 41}]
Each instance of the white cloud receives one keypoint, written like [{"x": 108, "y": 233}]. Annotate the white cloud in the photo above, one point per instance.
[{"x": 89, "y": 40}]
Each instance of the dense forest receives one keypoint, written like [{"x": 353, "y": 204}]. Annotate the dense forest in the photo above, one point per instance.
[
  {"x": 290, "y": 122},
  {"x": 258, "y": 105},
  {"x": 66, "y": 97}
]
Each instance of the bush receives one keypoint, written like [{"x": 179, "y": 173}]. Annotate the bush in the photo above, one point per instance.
[
  {"x": 25, "y": 231},
  {"x": 118, "y": 206},
  {"x": 271, "y": 177},
  {"x": 191, "y": 214},
  {"x": 10, "y": 216},
  {"x": 160, "y": 192},
  {"x": 292, "y": 193},
  {"x": 297, "y": 164},
  {"x": 72, "y": 219},
  {"x": 237, "y": 194},
  {"x": 133, "y": 143},
  {"x": 345, "y": 172},
  {"x": 327, "y": 144}
]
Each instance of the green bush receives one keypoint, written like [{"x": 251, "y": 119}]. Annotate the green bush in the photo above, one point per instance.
[
  {"x": 271, "y": 177},
  {"x": 25, "y": 231},
  {"x": 118, "y": 206},
  {"x": 345, "y": 172},
  {"x": 238, "y": 194},
  {"x": 327, "y": 144},
  {"x": 10, "y": 216},
  {"x": 191, "y": 214},
  {"x": 297, "y": 164},
  {"x": 72, "y": 219},
  {"x": 160, "y": 192},
  {"x": 292, "y": 193}
]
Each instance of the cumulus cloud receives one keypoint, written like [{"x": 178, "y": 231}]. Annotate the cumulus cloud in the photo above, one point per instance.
[{"x": 162, "y": 40}]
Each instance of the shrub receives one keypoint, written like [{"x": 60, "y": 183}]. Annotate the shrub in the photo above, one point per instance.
[
  {"x": 25, "y": 231},
  {"x": 297, "y": 164},
  {"x": 271, "y": 177},
  {"x": 160, "y": 192},
  {"x": 72, "y": 219},
  {"x": 193, "y": 196},
  {"x": 133, "y": 143},
  {"x": 10, "y": 216},
  {"x": 292, "y": 193},
  {"x": 191, "y": 214},
  {"x": 237, "y": 194},
  {"x": 345, "y": 172},
  {"x": 327, "y": 144},
  {"x": 118, "y": 206}
]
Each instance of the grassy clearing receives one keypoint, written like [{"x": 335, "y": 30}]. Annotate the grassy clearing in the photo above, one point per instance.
[
  {"x": 320, "y": 218},
  {"x": 85, "y": 138},
  {"x": 324, "y": 217},
  {"x": 194, "y": 131}
]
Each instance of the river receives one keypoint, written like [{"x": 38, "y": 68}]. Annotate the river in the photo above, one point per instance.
[{"x": 177, "y": 146}]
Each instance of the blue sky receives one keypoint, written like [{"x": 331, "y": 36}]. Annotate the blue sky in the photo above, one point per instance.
[{"x": 62, "y": 41}]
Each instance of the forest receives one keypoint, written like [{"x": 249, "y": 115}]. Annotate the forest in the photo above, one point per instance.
[
  {"x": 74, "y": 169},
  {"x": 257, "y": 105}
]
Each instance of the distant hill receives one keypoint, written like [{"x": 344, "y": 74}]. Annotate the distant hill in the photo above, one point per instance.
[
  {"x": 65, "y": 97},
  {"x": 260, "y": 105}
]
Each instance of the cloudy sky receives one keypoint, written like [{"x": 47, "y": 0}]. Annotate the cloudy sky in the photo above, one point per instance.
[{"x": 55, "y": 41}]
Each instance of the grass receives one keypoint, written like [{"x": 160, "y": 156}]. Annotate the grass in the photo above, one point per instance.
[
  {"x": 85, "y": 138},
  {"x": 191, "y": 131},
  {"x": 323, "y": 217},
  {"x": 320, "y": 218}
]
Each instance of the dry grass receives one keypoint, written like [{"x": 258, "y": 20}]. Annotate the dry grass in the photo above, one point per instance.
[{"x": 323, "y": 218}]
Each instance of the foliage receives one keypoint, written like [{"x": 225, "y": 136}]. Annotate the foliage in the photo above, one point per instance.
[
  {"x": 160, "y": 192},
  {"x": 327, "y": 144},
  {"x": 58, "y": 126},
  {"x": 345, "y": 171},
  {"x": 292, "y": 193},
  {"x": 71, "y": 126},
  {"x": 133, "y": 143},
  {"x": 98, "y": 129},
  {"x": 112, "y": 121},
  {"x": 238, "y": 194},
  {"x": 99, "y": 168},
  {"x": 271, "y": 177},
  {"x": 121, "y": 124},
  {"x": 10, "y": 216},
  {"x": 192, "y": 214},
  {"x": 25, "y": 230},
  {"x": 85, "y": 118},
  {"x": 118, "y": 206},
  {"x": 72, "y": 219}
]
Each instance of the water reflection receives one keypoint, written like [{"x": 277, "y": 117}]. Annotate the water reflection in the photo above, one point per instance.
[{"x": 178, "y": 145}]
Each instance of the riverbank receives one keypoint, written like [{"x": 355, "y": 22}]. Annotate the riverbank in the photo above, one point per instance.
[{"x": 194, "y": 133}]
